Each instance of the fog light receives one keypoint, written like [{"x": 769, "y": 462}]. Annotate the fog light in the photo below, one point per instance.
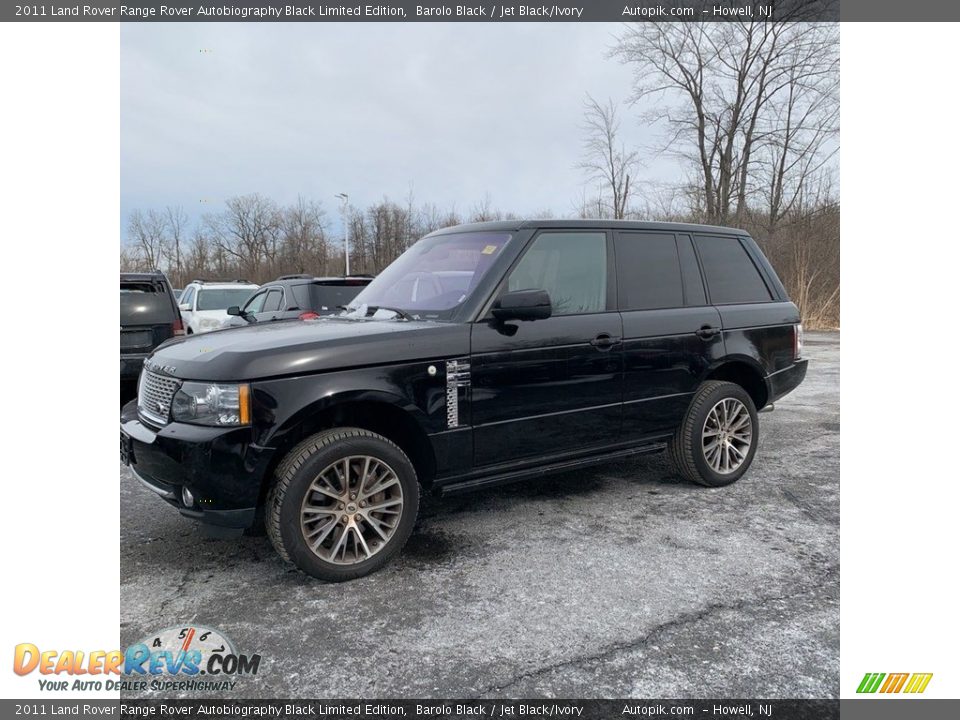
[{"x": 187, "y": 496}]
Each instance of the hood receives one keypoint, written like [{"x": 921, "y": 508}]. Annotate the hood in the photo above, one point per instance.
[{"x": 301, "y": 347}]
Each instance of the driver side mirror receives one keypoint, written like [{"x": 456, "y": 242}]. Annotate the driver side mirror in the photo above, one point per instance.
[
  {"x": 523, "y": 305},
  {"x": 234, "y": 310},
  {"x": 186, "y": 306}
]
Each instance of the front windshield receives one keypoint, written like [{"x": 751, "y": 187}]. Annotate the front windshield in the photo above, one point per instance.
[
  {"x": 212, "y": 299},
  {"x": 435, "y": 275}
]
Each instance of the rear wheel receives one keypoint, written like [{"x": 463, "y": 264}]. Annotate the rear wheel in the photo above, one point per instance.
[
  {"x": 343, "y": 504},
  {"x": 717, "y": 440}
]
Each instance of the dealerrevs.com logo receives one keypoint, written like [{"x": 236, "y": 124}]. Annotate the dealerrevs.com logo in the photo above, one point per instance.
[
  {"x": 174, "y": 659},
  {"x": 894, "y": 683}
]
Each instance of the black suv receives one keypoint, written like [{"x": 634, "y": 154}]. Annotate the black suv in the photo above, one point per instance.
[
  {"x": 484, "y": 354},
  {"x": 297, "y": 296},
  {"x": 148, "y": 315}
]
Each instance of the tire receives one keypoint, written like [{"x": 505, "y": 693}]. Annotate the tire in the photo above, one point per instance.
[
  {"x": 309, "y": 499},
  {"x": 693, "y": 448}
]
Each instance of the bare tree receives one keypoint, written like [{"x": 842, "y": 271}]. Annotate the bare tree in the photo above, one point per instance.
[
  {"x": 721, "y": 89},
  {"x": 147, "y": 233},
  {"x": 605, "y": 158},
  {"x": 176, "y": 227},
  {"x": 304, "y": 244},
  {"x": 249, "y": 231}
]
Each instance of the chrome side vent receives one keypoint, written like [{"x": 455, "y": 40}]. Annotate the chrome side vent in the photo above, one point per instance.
[{"x": 458, "y": 376}]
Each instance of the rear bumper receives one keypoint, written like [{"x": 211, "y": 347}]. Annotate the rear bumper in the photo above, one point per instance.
[
  {"x": 131, "y": 365},
  {"x": 221, "y": 467},
  {"x": 784, "y": 381}
]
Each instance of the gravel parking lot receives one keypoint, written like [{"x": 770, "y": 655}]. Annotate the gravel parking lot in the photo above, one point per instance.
[{"x": 614, "y": 582}]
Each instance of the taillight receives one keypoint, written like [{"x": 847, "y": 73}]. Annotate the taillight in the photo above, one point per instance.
[
  {"x": 178, "y": 326},
  {"x": 309, "y": 315},
  {"x": 797, "y": 340}
]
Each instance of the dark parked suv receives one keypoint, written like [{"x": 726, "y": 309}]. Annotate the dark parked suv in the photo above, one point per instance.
[
  {"x": 297, "y": 296},
  {"x": 148, "y": 316},
  {"x": 484, "y": 354}
]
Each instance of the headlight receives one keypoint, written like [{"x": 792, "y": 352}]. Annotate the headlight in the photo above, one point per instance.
[
  {"x": 212, "y": 404},
  {"x": 210, "y": 322}
]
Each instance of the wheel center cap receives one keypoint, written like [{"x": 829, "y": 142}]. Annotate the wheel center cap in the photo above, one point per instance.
[{"x": 351, "y": 508}]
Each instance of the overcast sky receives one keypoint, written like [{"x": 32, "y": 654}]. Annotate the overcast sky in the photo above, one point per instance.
[{"x": 454, "y": 111}]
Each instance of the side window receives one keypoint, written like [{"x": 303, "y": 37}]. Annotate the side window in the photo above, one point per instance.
[
  {"x": 272, "y": 302},
  {"x": 693, "y": 292},
  {"x": 571, "y": 267},
  {"x": 187, "y": 297},
  {"x": 301, "y": 295},
  {"x": 648, "y": 272},
  {"x": 255, "y": 304},
  {"x": 731, "y": 275}
]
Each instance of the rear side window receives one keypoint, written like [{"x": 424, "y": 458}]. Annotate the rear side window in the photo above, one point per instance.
[
  {"x": 731, "y": 275},
  {"x": 273, "y": 300},
  {"x": 648, "y": 272}
]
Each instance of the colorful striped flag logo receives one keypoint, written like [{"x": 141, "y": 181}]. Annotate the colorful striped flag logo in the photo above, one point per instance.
[{"x": 894, "y": 682}]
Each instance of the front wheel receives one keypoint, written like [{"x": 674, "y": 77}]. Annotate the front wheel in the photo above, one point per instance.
[
  {"x": 343, "y": 504},
  {"x": 716, "y": 442}
]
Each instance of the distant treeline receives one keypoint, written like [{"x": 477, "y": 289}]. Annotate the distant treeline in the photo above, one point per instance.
[{"x": 258, "y": 239}]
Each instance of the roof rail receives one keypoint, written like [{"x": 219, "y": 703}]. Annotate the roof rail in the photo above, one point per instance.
[{"x": 202, "y": 281}]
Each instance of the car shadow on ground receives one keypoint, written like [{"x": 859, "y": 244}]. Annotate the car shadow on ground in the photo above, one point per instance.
[{"x": 189, "y": 548}]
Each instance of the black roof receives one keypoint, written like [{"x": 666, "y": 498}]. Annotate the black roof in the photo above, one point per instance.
[
  {"x": 590, "y": 224},
  {"x": 151, "y": 276},
  {"x": 306, "y": 279}
]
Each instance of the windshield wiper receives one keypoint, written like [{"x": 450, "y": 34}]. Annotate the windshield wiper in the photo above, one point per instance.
[
  {"x": 372, "y": 310},
  {"x": 369, "y": 310}
]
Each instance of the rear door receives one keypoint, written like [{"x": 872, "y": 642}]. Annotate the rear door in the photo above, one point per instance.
[
  {"x": 758, "y": 319},
  {"x": 553, "y": 386},
  {"x": 670, "y": 334}
]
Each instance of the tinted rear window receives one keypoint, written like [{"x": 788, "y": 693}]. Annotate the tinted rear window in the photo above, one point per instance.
[
  {"x": 217, "y": 299},
  {"x": 126, "y": 287},
  {"x": 145, "y": 303},
  {"x": 328, "y": 297},
  {"x": 731, "y": 275},
  {"x": 648, "y": 272}
]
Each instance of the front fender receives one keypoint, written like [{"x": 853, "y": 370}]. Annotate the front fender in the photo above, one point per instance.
[{"x": 284, "y": 404}]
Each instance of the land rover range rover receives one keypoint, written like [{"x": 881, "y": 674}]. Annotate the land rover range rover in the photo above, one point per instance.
[{"x": 486, "y": 353}]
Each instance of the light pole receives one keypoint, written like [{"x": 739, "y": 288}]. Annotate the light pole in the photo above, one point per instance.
[{"x": 345, "y": 199}]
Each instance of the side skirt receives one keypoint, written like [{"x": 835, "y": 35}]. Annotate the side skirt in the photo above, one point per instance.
[{"x": 504, "y": 478}]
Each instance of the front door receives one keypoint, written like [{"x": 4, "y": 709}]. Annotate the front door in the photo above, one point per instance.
[{"x": 553, "y": 386}]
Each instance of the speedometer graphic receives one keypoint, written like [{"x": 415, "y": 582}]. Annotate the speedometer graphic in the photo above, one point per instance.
[{"x": 187, "y": 638}]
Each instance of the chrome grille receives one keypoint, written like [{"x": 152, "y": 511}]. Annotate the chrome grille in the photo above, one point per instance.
[{"x": 155, "y": 395}]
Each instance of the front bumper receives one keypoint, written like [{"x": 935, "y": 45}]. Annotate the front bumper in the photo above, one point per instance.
[
  {"x": 784, "y": 381},
  {"x": 222, "y": 467}
]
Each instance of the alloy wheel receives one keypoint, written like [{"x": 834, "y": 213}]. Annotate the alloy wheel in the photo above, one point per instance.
[
  {"x": 727, "y": 436},
  {"x": 351, "y": 510}
]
